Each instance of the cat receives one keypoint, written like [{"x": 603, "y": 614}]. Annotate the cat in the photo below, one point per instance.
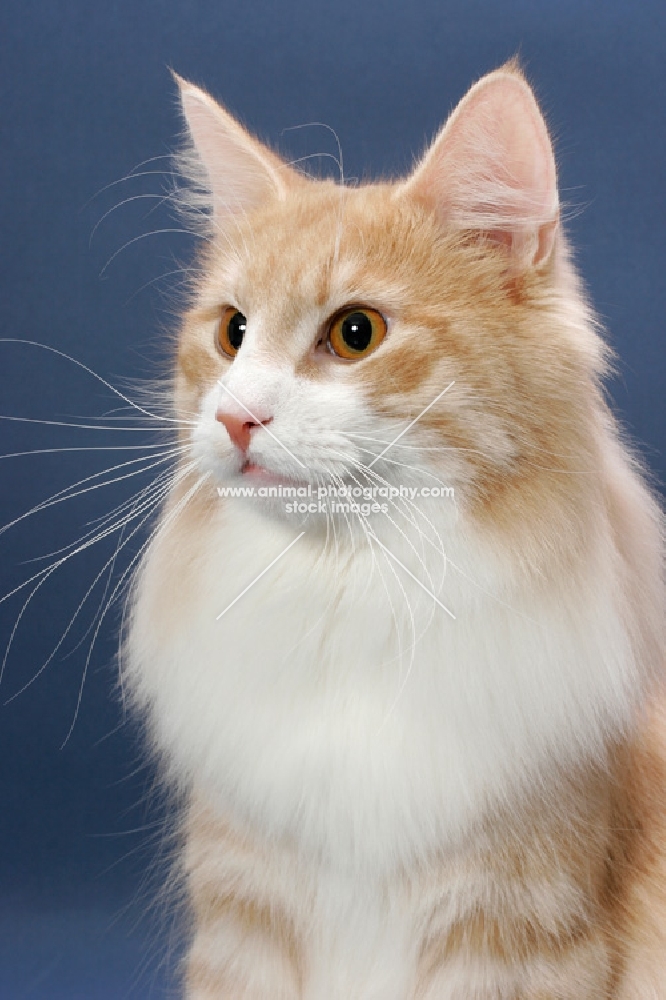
[{"x": 420, "y": 739}]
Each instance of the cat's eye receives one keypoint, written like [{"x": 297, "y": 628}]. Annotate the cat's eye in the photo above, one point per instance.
[
  {"x": 355, "y": 333},
  {"x": 230, "y": 331}
]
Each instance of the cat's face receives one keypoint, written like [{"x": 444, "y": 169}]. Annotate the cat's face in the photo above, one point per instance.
[
  {"x": 387, "y": 335},
  {"x": 348, "y": 331}
]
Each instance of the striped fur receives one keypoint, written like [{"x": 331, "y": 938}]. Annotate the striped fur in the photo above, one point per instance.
[{"x": 568, "y": 904}]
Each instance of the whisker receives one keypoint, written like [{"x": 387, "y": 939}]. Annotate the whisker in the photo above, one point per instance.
[
  {"x": 85, "y": 427},
  {"x": 103, "y": 520},
  {"x": 420, "y": 559},
  {"x": 132, "y": 175},
  {"x": 170, "y": 479},
  {"x": 85, "y": 368},
  {"x": 329, "y": 128},
  {"x": 373, "y": 474},
  {"x": 51, "y": 569},
  {"x": 369, "y": 473},
  {"x": 161, "y": 277},
  {"x": 126, "y": 201},
  {"x": 66, "y": 494},
  {"x": 144, "y": 548},
  {"x": 313, "y": 156},
  {"x": 100, "y": 519},
  {"x": 57, "y": 451},
  {"x": 363, "y": 521},
  {"x": 340, "y": 482},
  {"x": 107, "y": 584},
  {"x": 143, "y": 236}
]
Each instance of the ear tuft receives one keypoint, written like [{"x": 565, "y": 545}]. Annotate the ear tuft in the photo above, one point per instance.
[
  {"x": 492, "y": 169},
  {"x": 228, "y": 171}
]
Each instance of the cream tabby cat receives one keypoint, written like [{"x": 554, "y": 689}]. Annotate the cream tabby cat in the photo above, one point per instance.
[{"x": 422, "y": 747}]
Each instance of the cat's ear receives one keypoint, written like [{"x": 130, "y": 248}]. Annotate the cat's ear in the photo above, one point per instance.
[
  {"x": 492, "y": 169},
  {"x": 229, "y": 171}
]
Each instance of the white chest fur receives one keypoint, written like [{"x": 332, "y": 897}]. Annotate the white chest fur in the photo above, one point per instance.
[{"x": 309, "y": 711}]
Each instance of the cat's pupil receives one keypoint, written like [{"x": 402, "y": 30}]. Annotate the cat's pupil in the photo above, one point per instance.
[
  {"x": 356, "y": 331},
  {"x": 236, "y": 330}
]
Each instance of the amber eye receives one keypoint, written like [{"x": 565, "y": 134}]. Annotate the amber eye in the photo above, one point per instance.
[
  {"x": 356, "y": 333},
  {"x": 231, "y": 331}
]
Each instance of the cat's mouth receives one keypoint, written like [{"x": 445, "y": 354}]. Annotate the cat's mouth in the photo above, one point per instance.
[
  {"x": 267, "y": 477},
  {"x": 252, "y": 467},
  {"x": 255, "y": 472}
]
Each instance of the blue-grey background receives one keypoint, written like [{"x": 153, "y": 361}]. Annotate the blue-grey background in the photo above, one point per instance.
[{"x": 85, "y": 97}]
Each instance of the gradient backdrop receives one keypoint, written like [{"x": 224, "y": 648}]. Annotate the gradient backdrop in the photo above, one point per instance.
[{"x": 85, "y": 97}]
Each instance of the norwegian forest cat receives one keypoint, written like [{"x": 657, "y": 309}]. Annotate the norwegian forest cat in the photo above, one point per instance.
[{"x": 419, "y": 735}]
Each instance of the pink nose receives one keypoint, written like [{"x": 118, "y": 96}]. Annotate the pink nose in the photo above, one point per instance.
[{"x": 239, "y": 430}]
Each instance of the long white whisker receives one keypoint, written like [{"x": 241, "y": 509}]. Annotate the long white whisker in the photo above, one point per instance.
[
  {"x": 85, "y": 427},
  {"x": 420, "y": 558},
  {"x": 57, "y": 451},
  {"x": 132, "y": 175},
  {"x": 397, "y": 527},
  {"x": 407, "y": 502},
  {"x": 101, "y": 522},
  {"x": 339, "y": 482},
  {"x": 144, "y": 548},
  {"x": 373, "y": 475},
  {"x": 151, "y": 505},
  {"x": 314, "y": 156},
  {"x": 85, "y": 368},
  {"x": 62, "y": 495},
  {"x": 363, "y": 521},
  {"x": 161, "y": 277},
  {"x": 109, "y": 577},
  {"x": 329, "y": 128},
  {"x": 125, "y": 201},
  {"x": 143, "y": 236}
]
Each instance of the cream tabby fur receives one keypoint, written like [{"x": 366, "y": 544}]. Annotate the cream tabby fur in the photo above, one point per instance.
[{"x": 424, "y": 753}]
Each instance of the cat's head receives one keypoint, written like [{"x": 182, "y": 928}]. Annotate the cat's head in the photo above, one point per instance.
[{"x": 426, "y": 331}]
